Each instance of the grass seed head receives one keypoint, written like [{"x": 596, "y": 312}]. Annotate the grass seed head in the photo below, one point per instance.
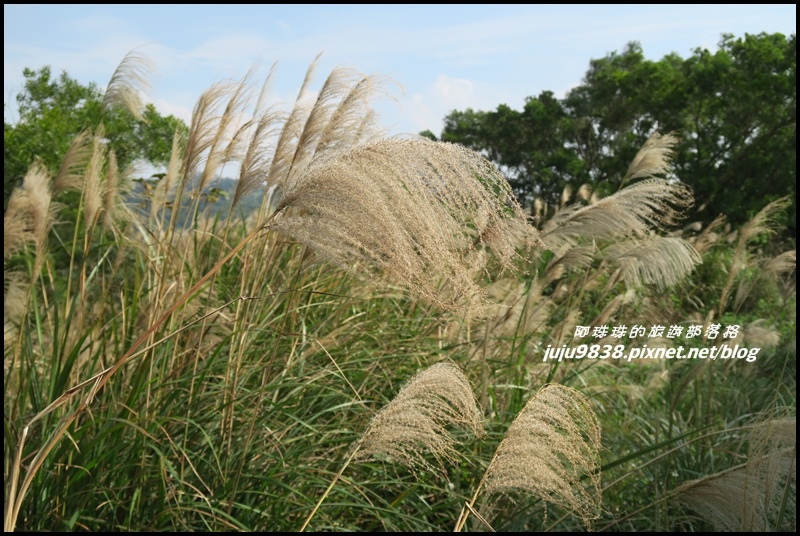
[
  {"x": 551, "y": 451},
  {"x": 416, "y": 420},
  {"x": 415, "y": 212}
]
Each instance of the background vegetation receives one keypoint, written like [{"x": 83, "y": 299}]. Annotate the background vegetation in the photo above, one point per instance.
[
  {"x": 735, "y": 110},
  {"x": 362, "y": 346}
]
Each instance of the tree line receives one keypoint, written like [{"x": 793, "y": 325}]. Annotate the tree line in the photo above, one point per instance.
[{"x": 734, "y": 111}]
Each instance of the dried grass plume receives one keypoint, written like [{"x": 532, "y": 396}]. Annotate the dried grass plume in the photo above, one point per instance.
[
  {"x": 416, "y": 420},
  {"x": 415, "y": 212},
  {"x": 760, "y": 495},
  {"x": 551, "y": 451}
]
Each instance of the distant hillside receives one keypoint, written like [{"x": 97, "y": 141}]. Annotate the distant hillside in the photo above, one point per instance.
[{"x": 216, "y": 198}]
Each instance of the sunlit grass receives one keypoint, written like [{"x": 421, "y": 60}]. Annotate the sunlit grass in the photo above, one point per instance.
[{"x": 239, "y": 401}]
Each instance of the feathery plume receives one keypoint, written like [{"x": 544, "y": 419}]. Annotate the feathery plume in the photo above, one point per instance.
[
  {"x": 761, "y": 223},
  {"x": 549, "y": 450},
  {"x": 17, "y": 223},
  {"x": 709, "y": 235},
  {"x": 569, "y": 257},
  {"x": 335, "y": 88},
  {"x": 71, "y": 172},
  {"x": 552, "y": 444},
  {"x": 416, "y": 420},
  {"x": 92, "y": 183},
  {"x": 653, "y": 204},
  {"x": 204, "y": 129},
  {"x": 412, "y": 211},
  {"x": 648, "y": 205},
  {"x": 114, "y": 207},
  {"x": 16, "y": 288},
  {"x": 757, "y": 335},
  {"x": 167, "y": 184},
  {"x": 128, "y": 83},
  {"x": 785, "y": 263},
  {"x": 352, "y": 121},
  {"x": 290, "y": 133},
  {"x": 755, "y": 495},
  {"x": 658, "y": 260},
  {"x": 566, "y": 195},
  {"x": 585, "y": 192},
  {"x": 654, "y": 158},
  {"x": 37, "y": 202},
  {"x": 258, "y": 156},
  {"x": 225, "y": 142}
]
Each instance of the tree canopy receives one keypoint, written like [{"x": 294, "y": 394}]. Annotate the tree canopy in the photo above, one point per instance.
[
  {"x": 734, "y": 110},
  {"x": 54, "y": 110}
]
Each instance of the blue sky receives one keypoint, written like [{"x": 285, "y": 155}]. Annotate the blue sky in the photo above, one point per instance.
[{"x": 445, "y": 56}]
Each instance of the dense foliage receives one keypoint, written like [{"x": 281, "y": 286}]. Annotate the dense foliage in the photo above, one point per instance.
[
  {"x": 735, "y": 110},
  {"x": 54, "y": 110}
]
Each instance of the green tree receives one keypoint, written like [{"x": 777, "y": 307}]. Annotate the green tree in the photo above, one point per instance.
[
  {"x": 528, "y": 145},
  {"x": 734, "y": 109},
  {"x": 53, "y": 110}
]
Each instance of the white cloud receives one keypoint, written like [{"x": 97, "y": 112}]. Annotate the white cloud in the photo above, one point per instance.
[
  {"x": 426, "y": 111},
  {"x": 179, "y": 110},
  {"x": 453, "y": 92}
]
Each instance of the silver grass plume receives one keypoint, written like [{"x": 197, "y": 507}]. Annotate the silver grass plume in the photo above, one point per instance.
[
  {"x": 284, "y": 144},
  {"x": 656, "y": 260},
  {"x": 16, "y": 292},
  {"x": 709, "y": 236},
  {"x": 645, "y": 206},
  {"x": 17, "y": 223},
  {"x": 551, "y": 451},
  {"x": 258, "y": 155},
  {"x": 759, "y": 495},
  {"x": 128, "y": 83},
  {"x": 113, "y": 206},
  {"x": 29, "y": 216},
  {"x": 225, "y": 142},
  {"x": 334, "y": 90},
  {"x": 654, "y": 158},
  {"x": 782, "y": 264},
  {"x": 762, "y": 223},
  {"x": 653, "y": 204},
  {"x": 585, "y": 192},
  {"x": 353, "y": 121},
  {"x": 775, "y": 267},
  {"x": 93, "y": 181},
  {"x": 412, "y": 211},
  {"x": 285, "y": 147},
  {"x": 71, "y": 172},
  {"x": 204, "y": 130},
  {"x": 168, "y": 183},
  {"x": 569, "y": 257},
  {"x": 338, "y": 118},
  {"x": 115, "y": 209},
  {"x": 756, "y": 334},
  {"x": 259, "y": 151},
  {"x": 416, "y": 420},
  {"x": 566, "y": 195}
]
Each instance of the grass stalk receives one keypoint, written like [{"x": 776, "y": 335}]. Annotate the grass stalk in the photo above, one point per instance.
[{"x": 14, "y": 503}]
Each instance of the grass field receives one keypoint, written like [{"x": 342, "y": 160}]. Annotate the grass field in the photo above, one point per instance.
[{"x": 373, "y": 349}]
